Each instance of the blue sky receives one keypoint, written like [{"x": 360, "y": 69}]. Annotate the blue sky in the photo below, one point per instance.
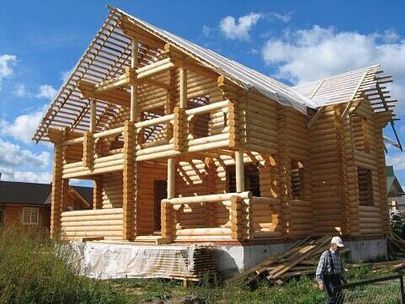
[{"x": 293, "y": 41}]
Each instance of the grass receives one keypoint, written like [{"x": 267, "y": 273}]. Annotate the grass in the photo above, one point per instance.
[
  {"x": 298, "y": 291},
  {"x": 31, "y": 272},
  {"x": 34, "y": 269}
]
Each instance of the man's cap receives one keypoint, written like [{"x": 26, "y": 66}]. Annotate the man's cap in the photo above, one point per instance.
[{"x": 337, "y": 240}]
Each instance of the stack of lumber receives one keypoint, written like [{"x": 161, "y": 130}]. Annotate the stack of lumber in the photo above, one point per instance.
[
  {"x": 204, "y": 263},
  {"x": 300, "y": 259},
  {"x": 200, "y": 264}
]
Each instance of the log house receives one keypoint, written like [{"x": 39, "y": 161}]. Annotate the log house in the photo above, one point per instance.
[{"x": 184, "y": 145}]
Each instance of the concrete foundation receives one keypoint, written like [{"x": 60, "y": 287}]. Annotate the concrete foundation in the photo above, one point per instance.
[
  {"x": 233, "y": 258},
  {"x": 113, "y": 260}
]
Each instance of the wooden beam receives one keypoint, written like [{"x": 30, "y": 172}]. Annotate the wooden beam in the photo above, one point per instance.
[
  {"x": 93, "y": 115},
  {"x": 129, "y": 188},
  {"x": 193, "y": 64},
  {"x": 315, "y": 117},
  {"x": 57, "y": 184},
  {"x": 98, "y": 193},
  {"x": 116, "y": 96},
  {"x": 183, "y": 88},
  {"x": 171, "y": 177},
  {"x": 134, "y": 64},
  {"x": 240, "y": 171}
]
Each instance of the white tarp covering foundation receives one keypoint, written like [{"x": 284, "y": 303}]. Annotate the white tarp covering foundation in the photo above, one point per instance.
[{"x": 113, "y": 261}]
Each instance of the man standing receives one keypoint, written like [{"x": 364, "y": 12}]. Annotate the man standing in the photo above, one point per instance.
[{"x": 329, "y": 271}]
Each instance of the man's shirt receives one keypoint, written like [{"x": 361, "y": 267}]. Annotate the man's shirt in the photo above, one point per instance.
[{"x": 325, "y": 264}]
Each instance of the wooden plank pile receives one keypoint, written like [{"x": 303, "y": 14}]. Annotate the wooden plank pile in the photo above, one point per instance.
[
  {"x": 203, "y": 263},
  {"x": 300, "y": 259}
]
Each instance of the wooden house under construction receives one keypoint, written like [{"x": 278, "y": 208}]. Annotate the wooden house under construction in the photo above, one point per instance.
[{"x": 184, "y": 145}]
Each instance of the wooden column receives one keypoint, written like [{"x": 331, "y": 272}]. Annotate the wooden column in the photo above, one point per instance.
[
  {"x": 210, "y": 180},
  {"x": 129, "y": 182},
  {"x": 238, "y": 217},
  {"x": 88, "y": 150},
  {"x": 183, "y": 88},
  {"x": 93, "y": 115},
  {"x": 240, "y": 171},
  {"x": 134, "y": 64},
  {"x": 382, "y": 181},
  {"x": 284, "y": 167},
  {"x": 98, "y": 193},
  {"x": 171, "y": 177},
  {"x": 57, "y": 184}
]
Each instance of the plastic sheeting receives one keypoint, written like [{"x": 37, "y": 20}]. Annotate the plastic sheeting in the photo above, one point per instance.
[{"x": 114, "y": 261}]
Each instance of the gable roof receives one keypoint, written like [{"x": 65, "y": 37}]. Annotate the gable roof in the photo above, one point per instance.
[
  {"x": 248, "y": 77},
  {"x": 33, "y": 193},
  {"x": 109, "y": 54},
  {"x": 344, "y": 87}
]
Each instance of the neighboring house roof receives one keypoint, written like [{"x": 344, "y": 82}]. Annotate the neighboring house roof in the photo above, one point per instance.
[
  {"x": 393, "y": 185},
  {"x": 33, "y": 193},
  {"x": 85, "y": 192},
  {"x": 24, "y": 193}
]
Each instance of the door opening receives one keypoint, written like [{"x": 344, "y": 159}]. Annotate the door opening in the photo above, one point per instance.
[{"x": 160, "y": 192}]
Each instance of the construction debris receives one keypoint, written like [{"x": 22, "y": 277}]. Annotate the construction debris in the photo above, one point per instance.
[{"x": 300, "y": 259}]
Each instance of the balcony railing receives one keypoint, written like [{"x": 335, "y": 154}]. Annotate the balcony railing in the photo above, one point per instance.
[
  {"x": 231, "y": 216},
  {"x": 165, "y": 136}
]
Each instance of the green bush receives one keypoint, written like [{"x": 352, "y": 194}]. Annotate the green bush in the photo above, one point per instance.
[{"x": 32, "y": 272}]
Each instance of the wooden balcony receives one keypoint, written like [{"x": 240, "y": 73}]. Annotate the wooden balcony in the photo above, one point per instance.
[
  {"x": 219, "y": 217},
  {"x": 160, "y": 137}
]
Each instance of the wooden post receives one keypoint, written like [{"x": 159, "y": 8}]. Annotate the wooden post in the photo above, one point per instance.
[
  {"x": 180, "y": 129},
  {"x": 129, "y": 182},
  {"x": 183, "y": 88},
  {"x": 171, "y": 178},
  {"x": 284, "y": 167},
  {"x": 240, "y": 171},
  {"x": 134, "y": 64},
  {"x": 167, "y": 221},
  {"x": 93, "y": 115},
  {"x": 98, "y": 193},
  {"x": 238, "y": 216},
  {"x": 57, "y": 185},
  {"x": 88, "y": 150}
]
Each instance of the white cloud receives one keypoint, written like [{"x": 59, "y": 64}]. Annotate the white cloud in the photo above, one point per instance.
[
  {"x": 206, "y": 30},
  {"x": 46, "y": 91},
  {"x": 397, "y": 160},
  {"x": 23, "y": 127},
  {"x": 13, "y": 156},
  {"x": 6, "y": 66},
  {"x": 64, "y": 75},
  {"x": 21, "y": 91},
  {"x": 240, "y": 29},
  {"x": 280, "y": 17},
  {"x": 25, "y": 176},
  {"x": 308, "y": 54}
]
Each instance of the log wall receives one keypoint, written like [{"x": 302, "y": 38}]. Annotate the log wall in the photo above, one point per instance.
[
  {"x": 111, "y": 185},
  {"x": 100, "y": 223},
  {"x": 368, "y": 156},
  {"x": 326, "y": 173},
  {"x": 150, "y": 172}
]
